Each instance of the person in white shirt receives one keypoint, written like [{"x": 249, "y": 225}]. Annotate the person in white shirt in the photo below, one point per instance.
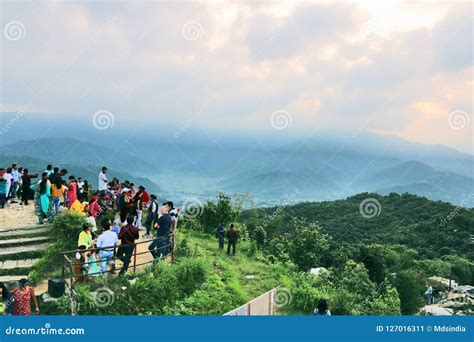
[
  {"x": 103, "y": 180},
  {"x": 107, "y": 241},
  {"x": 15, "y": 181},
  {"x": 9, "y": 179}
]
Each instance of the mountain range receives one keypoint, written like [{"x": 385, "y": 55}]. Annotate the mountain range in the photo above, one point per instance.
[{"x": 306, "y": 170}]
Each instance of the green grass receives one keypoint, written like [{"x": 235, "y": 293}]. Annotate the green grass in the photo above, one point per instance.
[{"x": 247, "y": 271}]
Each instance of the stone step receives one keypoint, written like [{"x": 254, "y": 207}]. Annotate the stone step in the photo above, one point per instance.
[
  {"x": 28, "y": 228},
  {"x": 12, "y": 264},
  {"x": 10, "y": 251},
  {"x": 23, "y": 241},
  {"x": 12, "y": 280},
  {"x": 19, "y": 232}
]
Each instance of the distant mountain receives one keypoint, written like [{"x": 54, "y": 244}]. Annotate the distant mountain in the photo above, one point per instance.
[
  {"x": 63, "y": 151},
  {"x": 88, "y": 172},
  {"x": 323, "y": 168},
  {"x": 418, "y": 178}
]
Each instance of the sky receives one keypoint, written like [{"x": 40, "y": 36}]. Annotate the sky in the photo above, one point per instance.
[{"x": 285, "y": 67}]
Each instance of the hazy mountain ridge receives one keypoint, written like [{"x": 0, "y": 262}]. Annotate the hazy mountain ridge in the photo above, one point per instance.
[
  {"x": 88, "y": 172},
  {"x": 311, "y": 170}
]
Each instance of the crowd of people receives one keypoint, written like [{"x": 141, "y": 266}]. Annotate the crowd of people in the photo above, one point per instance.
[{"x": 97, "y": 247}]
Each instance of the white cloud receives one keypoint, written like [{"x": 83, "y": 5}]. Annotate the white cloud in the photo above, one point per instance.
[{"x": 310, "y": 59}]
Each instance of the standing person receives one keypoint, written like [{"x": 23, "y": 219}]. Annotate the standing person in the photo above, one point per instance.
[
  {"x": 15, "y": 182},
  {"x": 125, "y": 204},
  {"x": 9, "y": 180},
  {"x": 3, "y": 192},
  {"x": 72, "y": 191},
  {"x": 102, "y": 187},
  {"x": 26, "y": 192},
  {"x": 43, "y": 208},
  {"x": 85, "y": 237},
  {"x": 85, "y": 190},
  {"x": 21, "y": 297},
  {"x": 127, "y": 235},
  {"x": 64, "y": 189},
  {"x": 174, "y": 215},
  {"x": 159, "y": 246},
  {"x": 322, "y": 308},
  {"x": 49, "y": 170},
  {"x": 138, "y": 199},
  {"x": 152, "y": 210},
  {"x": 106, "y": 242},
  {"x": 220, "y": 234},
  {"x": 232, "y": 237},
  {"x": 56, "y": 194}
]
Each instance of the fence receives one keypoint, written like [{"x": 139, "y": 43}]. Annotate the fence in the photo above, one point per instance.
[
  {"x": 73, "y": 269},
  {"x": 263, "y": 305}
]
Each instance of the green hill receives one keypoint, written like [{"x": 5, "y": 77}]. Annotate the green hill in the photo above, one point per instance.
[{"x": 433, "y": 228}]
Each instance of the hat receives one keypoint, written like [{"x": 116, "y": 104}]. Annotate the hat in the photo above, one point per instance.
[{"x": 164, "y": 210}]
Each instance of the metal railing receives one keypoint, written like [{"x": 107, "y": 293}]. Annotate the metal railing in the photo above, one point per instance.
[{"x": 71, "y": 276}]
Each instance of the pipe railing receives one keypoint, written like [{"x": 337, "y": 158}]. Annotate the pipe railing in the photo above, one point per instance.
[{"x": 69, "y": 263}]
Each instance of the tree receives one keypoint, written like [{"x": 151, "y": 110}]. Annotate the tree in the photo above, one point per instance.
[
  {"x": 306, "y": 245},
  {"x": 410, "y": 286},
  {"x": 214, "y": 213}
]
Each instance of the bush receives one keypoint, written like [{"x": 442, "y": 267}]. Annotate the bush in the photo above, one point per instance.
[{"x": 65, "y": 230}]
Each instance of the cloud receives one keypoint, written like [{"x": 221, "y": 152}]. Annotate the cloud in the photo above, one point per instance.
[{"x": 329, "y": 65}]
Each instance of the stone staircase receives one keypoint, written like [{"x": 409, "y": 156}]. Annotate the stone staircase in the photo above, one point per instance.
[{"x": 20, "y": 248}]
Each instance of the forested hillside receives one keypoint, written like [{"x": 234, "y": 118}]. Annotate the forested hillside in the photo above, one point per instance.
[{"x": 434, "y": 229}]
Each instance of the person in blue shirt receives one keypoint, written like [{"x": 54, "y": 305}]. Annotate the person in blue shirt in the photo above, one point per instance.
[
  {"x": 220, "y": 234},
  {"x": 159, "y": 247}
]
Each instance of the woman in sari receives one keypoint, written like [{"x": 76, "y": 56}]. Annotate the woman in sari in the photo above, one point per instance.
[
  {"x": 43, "y": 207},
  {"x": 71, "y": 191}
]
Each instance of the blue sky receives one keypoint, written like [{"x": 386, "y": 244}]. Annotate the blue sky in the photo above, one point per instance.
[{"x": 401, "y": 68}]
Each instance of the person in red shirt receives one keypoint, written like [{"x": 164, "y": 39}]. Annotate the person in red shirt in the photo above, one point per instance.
[
  {"x": 128, "y": 234},
  {"x": 94, "y": 207}
]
